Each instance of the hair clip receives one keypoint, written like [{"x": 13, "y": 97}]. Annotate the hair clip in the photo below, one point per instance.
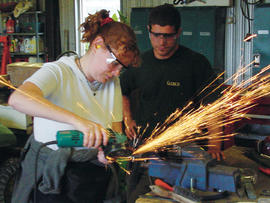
[{"x": 105, "y": 21}]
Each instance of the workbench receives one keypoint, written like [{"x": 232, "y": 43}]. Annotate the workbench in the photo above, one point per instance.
[{"x": 234, "y": 157}]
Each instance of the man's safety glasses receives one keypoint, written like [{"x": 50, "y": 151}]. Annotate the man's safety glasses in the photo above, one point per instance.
[{"x": 167, "y": 36}]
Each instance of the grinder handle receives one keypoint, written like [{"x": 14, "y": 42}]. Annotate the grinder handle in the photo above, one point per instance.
[{"x": 69, "y": 138}]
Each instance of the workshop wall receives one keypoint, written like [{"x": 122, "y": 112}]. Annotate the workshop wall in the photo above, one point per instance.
[
  {"x": 261, "y": 43},
  {"x": 237, "y": 53},
  {"x": 205, "y": 36},
  {"x": 127, "y": 5}
]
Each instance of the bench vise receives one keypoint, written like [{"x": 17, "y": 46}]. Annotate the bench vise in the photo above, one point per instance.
[{"x": 192, "y": 167}]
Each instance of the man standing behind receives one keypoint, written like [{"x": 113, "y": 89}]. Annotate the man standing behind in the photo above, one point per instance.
[{"x": 169, "y": 77}]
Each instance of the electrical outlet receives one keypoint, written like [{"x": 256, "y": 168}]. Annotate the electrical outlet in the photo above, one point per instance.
[{"x": 257, "y": 60}]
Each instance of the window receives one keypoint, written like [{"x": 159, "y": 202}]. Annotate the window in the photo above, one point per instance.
[{"x": 91, "y": 6}]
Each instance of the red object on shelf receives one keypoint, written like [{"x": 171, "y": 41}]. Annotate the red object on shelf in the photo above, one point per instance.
[
  {"x": 6, "y": 59},
  {"x": 10, "y": 25}
]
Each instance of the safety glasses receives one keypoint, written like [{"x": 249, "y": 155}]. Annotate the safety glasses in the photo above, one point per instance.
[
  {"x": 167, "y": 36},
  {"x": 114, "y": 60}
]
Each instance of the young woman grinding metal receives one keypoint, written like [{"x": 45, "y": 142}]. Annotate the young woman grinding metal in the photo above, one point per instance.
[{"x": 75, "y": 93}]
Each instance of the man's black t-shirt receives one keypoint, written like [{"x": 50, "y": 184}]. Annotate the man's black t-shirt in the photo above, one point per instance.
[{"x": 165, "y": 85}]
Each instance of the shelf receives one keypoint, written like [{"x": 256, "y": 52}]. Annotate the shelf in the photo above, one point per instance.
[
  {"x": 25, "y": 34},
  {"x": 26, "y": 13},
  {"x": 33, "y": 12},
  {"x": 32, "y": 25},
  {"x": 25, "y": 54},
  {"x": 12, "y": 54}
]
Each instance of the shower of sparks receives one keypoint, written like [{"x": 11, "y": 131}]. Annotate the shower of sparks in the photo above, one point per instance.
[{"x": 232, "y": 106}]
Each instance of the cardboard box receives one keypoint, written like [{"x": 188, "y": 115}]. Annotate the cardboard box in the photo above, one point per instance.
[{"x": 20, "y": 71}]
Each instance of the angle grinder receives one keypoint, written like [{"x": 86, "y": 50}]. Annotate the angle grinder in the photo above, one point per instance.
[{"x": 117, "y": 144}]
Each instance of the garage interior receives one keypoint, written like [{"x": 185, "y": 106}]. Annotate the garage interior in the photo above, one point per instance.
[{"x": 41, "y": 31}]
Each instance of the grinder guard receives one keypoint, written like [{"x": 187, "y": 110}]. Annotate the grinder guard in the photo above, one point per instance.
[{"x": 117, "y": 145}]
